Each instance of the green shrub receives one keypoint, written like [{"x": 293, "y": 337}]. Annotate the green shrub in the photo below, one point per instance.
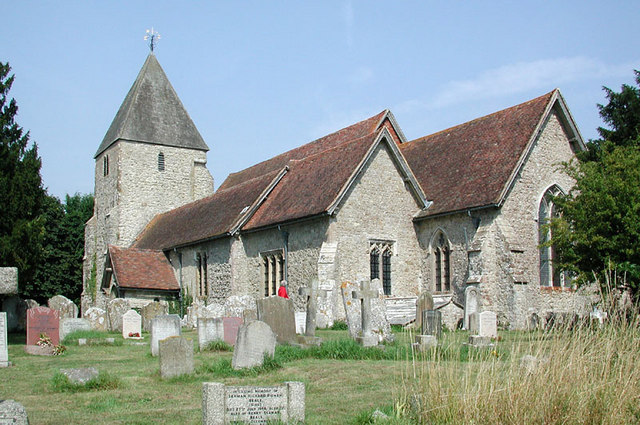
[
  {"x": 339, "y": 325},
  {"x": 217, "y": 346}
]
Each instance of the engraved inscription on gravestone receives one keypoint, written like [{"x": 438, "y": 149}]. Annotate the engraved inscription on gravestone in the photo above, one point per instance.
[{"x": 255, "y": 404}]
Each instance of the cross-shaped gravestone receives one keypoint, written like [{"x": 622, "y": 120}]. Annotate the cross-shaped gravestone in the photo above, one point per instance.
[{"x": 365, "y": 294}]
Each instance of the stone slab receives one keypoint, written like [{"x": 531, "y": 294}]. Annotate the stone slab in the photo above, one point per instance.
[
  {"x": 255, "y": 340},
  {"x": 209, "y": 329},
  {"x": 301, "y": 322},
  {"x": 380, "y": 326},
  {"x": 4, "y": 345},
  {"x": 80, "y": 375},
  {"x": 115, "y": 309},
  {"x": 424, "y": 302},
  {"x": 43, "y": 320},
  {"x": 480, "y": 341},
  {"x": 151, "y": 311},
  {"x": 471, "y": 304},
  {"x": 68, "y": 326},
  {"x": 66, "y": 307},
  {"x": 432, "y": 323},
  {"x": 230, "y": 326},
  {"x": 97, "y": 317},
  {"x": 176, "y": 357},
  {"x": 253, "y": 405},
  {"x": 278, "y": 313},
  {"x": 8, "y": 280},
  {"x": 488, "y": 324},
  {"x": 12, "y": 412},
  {"x": 131, "y": 324},
  {"x": 163, "y": 327}
]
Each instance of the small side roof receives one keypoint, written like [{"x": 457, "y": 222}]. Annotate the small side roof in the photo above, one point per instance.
[
  {"x": 472, "y": 165},
  {"x": 142, "y": 269},
  {"x": 153, "y": 113}
]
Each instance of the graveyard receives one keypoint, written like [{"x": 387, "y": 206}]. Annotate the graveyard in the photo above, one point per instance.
[{"x": 586, "y": 374}]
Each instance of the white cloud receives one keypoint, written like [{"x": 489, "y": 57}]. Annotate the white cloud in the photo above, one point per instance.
[{"x": 522, "y": 76}]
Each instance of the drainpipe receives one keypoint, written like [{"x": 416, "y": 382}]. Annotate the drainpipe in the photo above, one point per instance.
[
  {"x": 285, "y": 240},
  {"x": 179, "y": 280}
]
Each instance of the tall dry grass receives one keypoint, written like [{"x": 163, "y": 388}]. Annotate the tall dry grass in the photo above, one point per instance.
[{"x": 580, "y": 375}]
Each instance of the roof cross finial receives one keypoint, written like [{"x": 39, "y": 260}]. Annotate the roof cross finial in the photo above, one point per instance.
[{"x": 153, "y": 37}]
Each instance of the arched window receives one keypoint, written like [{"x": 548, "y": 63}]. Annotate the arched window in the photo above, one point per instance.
[
  {"x": 442, "y": 263},
  {"x": 549, "y": 274},
  {"x": 161, "y": 161},
  {"x": 380, "y": 259}
]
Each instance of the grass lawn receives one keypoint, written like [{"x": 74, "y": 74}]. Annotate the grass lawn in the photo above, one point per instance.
[{"x": 585, "y": 376}]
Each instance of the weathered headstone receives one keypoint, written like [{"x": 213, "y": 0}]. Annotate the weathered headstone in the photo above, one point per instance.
[
  {"x": 43, "y": 320},
  {"x": 473, "y": 323},
  {"x": 424, "y": 302},
  {"x": 4, "y": 347},
  {"x": 66, "y": 307},
  {"x": 231, "y": 326},
  {"x": 379, "y": 320},
  {"x": 425, "y": 342},
  {"x": 212, "y": 310},
  {"x": 277, "y": 312},
  {"x": 115, "y": 309},
  {"x": 209, "y": 329},
  {"x": 8, "y": 280},
  {"x": 12, "y": 412},
  {"x": 176, "y": 356},
  {"x": 432, "y": 323},
  {"x": 352, "y": 308},
  {"x": 151, "y": 311},
  {"x": 488, "y": 324},
  {"x": 71, "y": 325},
  {"x": 97, "y": 318},
  {"x": 131, "y": 325},
  {"x": 364, "y": 295},
  {"x": 80, "y": 375},
  {"x": 163, "y": 327},
  {"x": 255, "y": 340},
  {"x": 223, "y": 404},
  {"x": 471, "y": 303},
  {"x": 235, "y": 305},
  {"x": 310, "y": 295}
]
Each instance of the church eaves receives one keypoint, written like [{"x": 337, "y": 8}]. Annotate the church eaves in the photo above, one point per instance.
[{"x": 153, "y": 113}]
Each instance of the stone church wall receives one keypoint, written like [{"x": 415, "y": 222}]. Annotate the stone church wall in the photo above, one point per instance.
[{"x": 378, "y": 208}]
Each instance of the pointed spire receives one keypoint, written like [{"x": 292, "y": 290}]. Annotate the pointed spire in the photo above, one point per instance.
[{"x": 153, "y": 113}]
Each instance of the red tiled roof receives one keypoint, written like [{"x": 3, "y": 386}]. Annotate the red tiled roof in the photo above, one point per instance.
[
  {"x": 316, "y": 174},
  {"x": 353, "y": 132},
  {"x": 468, "y": 166},
  {"x": 142, "y": 269}
]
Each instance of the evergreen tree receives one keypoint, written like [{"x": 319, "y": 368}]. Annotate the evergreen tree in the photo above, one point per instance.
[{"x": 21, "y": 193}]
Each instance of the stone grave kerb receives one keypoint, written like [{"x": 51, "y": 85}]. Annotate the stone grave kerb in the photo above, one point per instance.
[{"x": 365, "y": 294}]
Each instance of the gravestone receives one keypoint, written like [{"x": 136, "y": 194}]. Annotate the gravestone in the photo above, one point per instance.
[
  {"x": 80, "y": 375},
  {"x": 115, "y": 309},
  {"x": 364, "y": 295},
  {"x": 16, "y": 309},
  {"x": 432, "y": 323},
  {"x": 235, "y": 306},
  {"x": 471, "y": 303},
  {"x": 151, "y": 311},
  {"x": 424, "y": 302},
  {"x": 425, "y": 342},
  {"x": 12, "y": 412},
  {"x": 277, "y": 312},
  {"x": 301, "y": 322},
  {"x": 131, "y": 325},
  {"x": 255, "y": 340},
  {"x": 8, "y": 280},
  {"x": 310, "y": 295},
  {"x": 488, "y": 324},
  {"x": 231, "y": 326},
  {"x": 209, "y": 329},
  {"x": 379, "y": 320},
  {"x": 66, "y": 307},
  {"x": 43, "y": 320},
  {"x": 176, "y": 356},
  {"x": 352, "y": 308},
  {"x": 223, "y": 404},
  {"x": 4, "y": 347},
  {"x": 212, "y": 310},
  {"x": 327, "y": 273},
  {"x": 71, "y": 325},
  {"x": 97, "y": 318},
  {"x": 473, "y": 323},
  {"x": 163, "y": 327}
]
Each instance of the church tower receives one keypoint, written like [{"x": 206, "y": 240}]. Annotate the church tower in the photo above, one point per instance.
[{"x": 151, "y": 160}]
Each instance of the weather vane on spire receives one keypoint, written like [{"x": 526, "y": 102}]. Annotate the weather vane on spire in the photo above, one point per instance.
[{"x": 153, "y": 37}]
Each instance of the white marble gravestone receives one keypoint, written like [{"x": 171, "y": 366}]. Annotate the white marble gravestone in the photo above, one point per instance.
[
  {"x": 131, "y": 324},
  {"x": 163, "y": 327}
]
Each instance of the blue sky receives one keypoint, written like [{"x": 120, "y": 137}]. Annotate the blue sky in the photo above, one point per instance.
[{"x": 259, "y": 78}]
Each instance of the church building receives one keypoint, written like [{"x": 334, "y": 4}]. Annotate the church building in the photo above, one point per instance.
[{"x": 462, "y": 208}]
